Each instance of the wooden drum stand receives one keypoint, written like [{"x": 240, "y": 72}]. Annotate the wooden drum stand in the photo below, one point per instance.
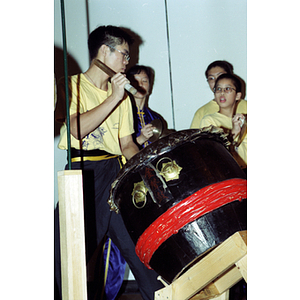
[{"x": 212, "y": 276}]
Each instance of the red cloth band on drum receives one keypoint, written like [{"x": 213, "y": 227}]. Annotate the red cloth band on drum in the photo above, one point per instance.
[{"x": 188, "y": 210}]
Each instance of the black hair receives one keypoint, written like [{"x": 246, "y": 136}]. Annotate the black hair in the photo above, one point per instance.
[
  {"x": 137, "y": 69},
  {"x": 228, "y": 67},
  {"x": 235, "y": 80},
  {"x": 108, "y": 35}
]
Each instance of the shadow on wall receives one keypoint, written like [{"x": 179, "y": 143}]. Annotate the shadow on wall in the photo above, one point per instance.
[
  {"x": 134, "y": 48},
  {"x": 73, "y": 68}
]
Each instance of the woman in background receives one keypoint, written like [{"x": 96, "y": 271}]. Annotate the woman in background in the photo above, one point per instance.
[{"x": 142, "y": 77}]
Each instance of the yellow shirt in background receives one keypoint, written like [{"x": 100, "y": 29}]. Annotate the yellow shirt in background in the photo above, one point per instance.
[
  {"x": 225, "y": 123},
  {"x": 212, "y": 107}
]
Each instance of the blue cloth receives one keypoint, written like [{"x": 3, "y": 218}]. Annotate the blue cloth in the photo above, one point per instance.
[
  {"x": 144, "y": 117},
  {"x": 116, "y": 270}
]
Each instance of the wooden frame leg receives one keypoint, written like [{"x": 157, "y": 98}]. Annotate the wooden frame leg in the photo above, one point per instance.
[
  {"x": 242, "y": 266},
  {"x": 218, "y": 271},
  {"x": 224, "y": 296},
  {"x": 72, "y": 240}
]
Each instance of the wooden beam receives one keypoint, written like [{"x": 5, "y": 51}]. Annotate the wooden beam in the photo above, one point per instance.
[
  {"x": 214, "y": 264},
  {"x": 224, "y": 296},
  {"x": 242, "y": 266},
  {"x": 220, "y": 285},
  {"x": 72, "y": 240}
]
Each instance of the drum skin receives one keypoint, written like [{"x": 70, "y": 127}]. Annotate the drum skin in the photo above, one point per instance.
[{"x": 180, "y": 197}]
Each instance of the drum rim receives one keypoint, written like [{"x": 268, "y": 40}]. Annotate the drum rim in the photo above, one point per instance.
[{"x": 160, "y": 147}]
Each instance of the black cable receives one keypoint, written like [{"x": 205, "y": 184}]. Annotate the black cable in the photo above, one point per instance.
[
  {"x": 66, "y": 80},
  {"x": 170, "y": 68}
]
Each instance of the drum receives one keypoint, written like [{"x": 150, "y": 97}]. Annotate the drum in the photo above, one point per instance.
[{"x": 180, "y": 197}]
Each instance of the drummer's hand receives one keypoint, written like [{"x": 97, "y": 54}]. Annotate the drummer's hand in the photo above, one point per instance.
[
  {"x": 118, "y": 82},
  {"x": 146, "y": 133},
  {"x": 237, "y": 124}
]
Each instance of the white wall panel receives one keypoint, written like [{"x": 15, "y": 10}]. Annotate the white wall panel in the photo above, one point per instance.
[
  {"x": 76, "y": 30},
  {"x": 146, "y": 19},
  {"x": 200, "y": 33}
]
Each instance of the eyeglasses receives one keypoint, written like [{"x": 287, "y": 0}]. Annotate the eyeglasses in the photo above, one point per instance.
[
  {"x": 226, "y": 90},
  {"x": 126, "y": 55}
]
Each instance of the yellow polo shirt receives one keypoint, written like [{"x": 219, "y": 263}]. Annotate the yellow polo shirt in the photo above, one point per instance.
[
  {"x": 84, "y": 96},
  {"x": 212, "y": 107}
]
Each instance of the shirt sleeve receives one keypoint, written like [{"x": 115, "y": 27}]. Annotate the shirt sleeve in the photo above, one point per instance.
[
  {"x": 207, "y": 121},
  {"x": 197, "y": 119}
]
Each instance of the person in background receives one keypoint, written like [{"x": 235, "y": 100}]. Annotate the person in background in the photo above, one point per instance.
[
  {"x": 227, "y": 94},
  {"x": 142, "y": 78},
  {"x": 213, "y": 71},
  {"x": 101, "y": 126}
]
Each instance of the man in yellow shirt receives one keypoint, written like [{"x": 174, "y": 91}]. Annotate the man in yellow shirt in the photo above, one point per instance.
[
  {"x": 101, "y": 125},
  {"x": 213, "y": 71}
]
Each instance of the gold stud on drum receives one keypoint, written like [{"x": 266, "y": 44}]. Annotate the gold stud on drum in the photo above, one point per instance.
[{"x": 169, "y": 170}]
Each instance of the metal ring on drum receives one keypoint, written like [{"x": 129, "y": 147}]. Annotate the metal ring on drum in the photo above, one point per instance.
[
  {"x": 139, "y": 195},
  {"x": 169, "y": 170}
]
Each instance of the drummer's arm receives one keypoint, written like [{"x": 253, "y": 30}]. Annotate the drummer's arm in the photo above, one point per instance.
[{"x": 128, "y": 147}]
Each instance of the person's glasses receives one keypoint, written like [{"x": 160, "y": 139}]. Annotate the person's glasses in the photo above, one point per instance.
[
  {"x": 126, "y": 55},
  {"x": 226, "y": 90}
]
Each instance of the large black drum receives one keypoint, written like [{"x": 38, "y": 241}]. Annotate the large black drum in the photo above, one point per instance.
[{"x": 180, "y": 197}]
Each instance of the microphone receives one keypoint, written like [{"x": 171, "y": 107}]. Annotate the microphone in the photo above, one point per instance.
[{"x": 128, "y": 87}]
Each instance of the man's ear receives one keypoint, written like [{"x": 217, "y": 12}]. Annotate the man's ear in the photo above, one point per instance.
[
  {"x": 103, "y": 50},
  {"x": 238, "y": 96}
]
